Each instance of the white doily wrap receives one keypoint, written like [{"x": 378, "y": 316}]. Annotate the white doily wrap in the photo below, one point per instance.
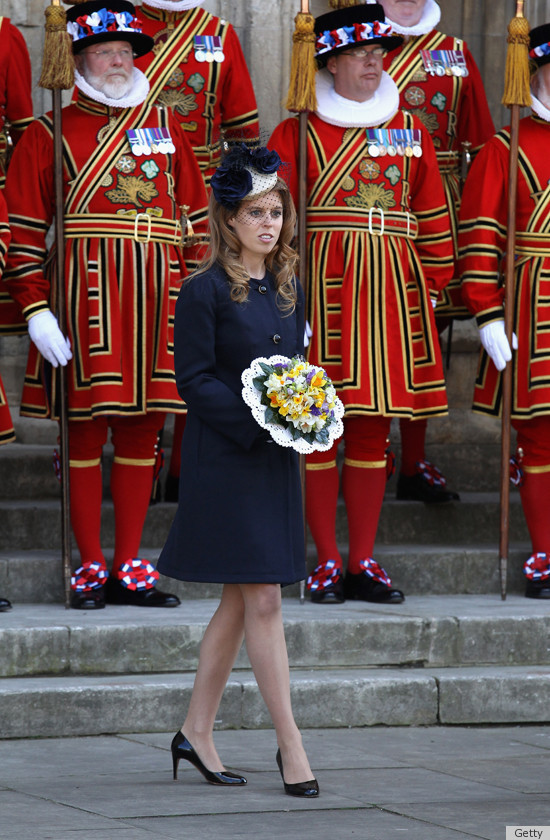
[{"x": 282, "y": 434}]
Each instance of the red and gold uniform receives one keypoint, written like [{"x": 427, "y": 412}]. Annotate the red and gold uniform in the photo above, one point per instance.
[
  {"x": 378, "y": 248},
  {"x": 483, "y": 224},
  {"x": 454, "y": 110},
  {"x": 16, "y": 110},
  {"x": 123, "y": 264},
  {"x": 15, "y": 88},
  {"x": 198, "y": 70},
  {"x": 6, "y": 425},
  {"x": 379, "y": 252}
]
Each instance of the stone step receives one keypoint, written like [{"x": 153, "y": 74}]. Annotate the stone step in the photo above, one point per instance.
[
  {"x": 322, "y": 698},
  {"x": 35, "y": 576},
  {"x": 423, "y": 632},
  {"x": 27, "y": 525}
]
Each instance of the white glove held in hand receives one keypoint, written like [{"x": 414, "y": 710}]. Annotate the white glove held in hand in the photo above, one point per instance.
[
  {"x": 45, "y": 333},
  {"x": 493, "y": 338}
]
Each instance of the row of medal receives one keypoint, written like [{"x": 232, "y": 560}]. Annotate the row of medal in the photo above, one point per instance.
[
  {"x": 150, "y": 141},
  {"x": 394, "y": 141},
  {"x": 444, "y": 62},
  {"x": 209, "y": 48}
]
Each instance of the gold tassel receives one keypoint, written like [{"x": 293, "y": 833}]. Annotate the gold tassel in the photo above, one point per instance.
[
  {"x": 341, "y": 4},
  {"x": 516, "y": 78},
  {"x": 58, "y": 60},
  {"x": 301, "y": 91}
]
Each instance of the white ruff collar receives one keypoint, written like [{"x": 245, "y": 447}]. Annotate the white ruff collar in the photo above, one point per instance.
[
  {"x": 175, "y": 6},
  {"x": 431, "y": 15},
  {"x": 336, "y": 110},
  {"x": 540, "y": 110},
  {"x": 137, "y": 95}
]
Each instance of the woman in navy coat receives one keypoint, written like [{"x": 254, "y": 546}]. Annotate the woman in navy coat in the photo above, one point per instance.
[{"x": 239, "y": 518}]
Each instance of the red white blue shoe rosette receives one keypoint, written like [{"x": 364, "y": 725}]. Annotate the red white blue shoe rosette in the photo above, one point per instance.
[
  {"x": 537, "y": 567},
  {"x": 137, "y": 574},
  {"x": 89, "y": 576},
  {"x": 323, "y": 576},
  {"x": 431, "y": 474},
  {"x": 371, "y": 568}
]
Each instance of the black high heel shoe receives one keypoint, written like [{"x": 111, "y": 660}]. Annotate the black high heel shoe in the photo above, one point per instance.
[
  {"x": 181, "y": 748},
  {"x": 310, "y": 788}
]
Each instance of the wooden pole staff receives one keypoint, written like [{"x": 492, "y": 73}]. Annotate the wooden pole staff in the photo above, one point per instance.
[
  {"x": 58, "y": 75},
  {"x": 301, "y": 99},
  {"x": 516, "y": 95}
]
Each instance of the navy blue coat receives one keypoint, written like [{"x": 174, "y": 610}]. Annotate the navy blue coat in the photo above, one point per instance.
[{"x": 239, "y": 518}]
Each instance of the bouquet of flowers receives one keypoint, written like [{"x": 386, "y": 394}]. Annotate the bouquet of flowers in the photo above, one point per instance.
[{"x": 295, "y": 401}]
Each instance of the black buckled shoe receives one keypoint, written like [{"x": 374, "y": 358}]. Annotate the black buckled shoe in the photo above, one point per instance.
[
  {"x": 421, "y": 488},
  {"x": 331, "y": 594},
  {"x": 117, "y": 593},
  {"x": 538, "y": 589},
  {"x": 373, "y": 585},
  {"x": 4, "y": 605},
  {"x": 90, "y": 599}
]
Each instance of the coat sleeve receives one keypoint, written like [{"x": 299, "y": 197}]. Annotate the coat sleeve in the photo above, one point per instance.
[
  {"x": 19, "y": 108},
  {"x": 239, "y": 111},
  {"x": 30, "y": 196},
  {"x": 197, "y": 310},
  {"x": 475, "y": 123},
  {"x": 482, "y": 232}
]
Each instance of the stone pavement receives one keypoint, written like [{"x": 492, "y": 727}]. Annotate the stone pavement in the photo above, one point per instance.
[{"x": 378, "y": 783}]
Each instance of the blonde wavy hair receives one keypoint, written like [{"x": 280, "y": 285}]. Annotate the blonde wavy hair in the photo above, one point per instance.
[{"x": 225, "y": 250}]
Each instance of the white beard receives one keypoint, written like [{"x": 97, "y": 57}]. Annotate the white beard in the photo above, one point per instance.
[
  {"x": 138, "y": 90},
  {"x": 115, "y": 88}
]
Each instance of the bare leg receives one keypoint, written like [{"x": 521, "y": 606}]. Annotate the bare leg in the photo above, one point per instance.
[
  {"x": 266, "y": 647},
  {"x": 219, "y": 648}
]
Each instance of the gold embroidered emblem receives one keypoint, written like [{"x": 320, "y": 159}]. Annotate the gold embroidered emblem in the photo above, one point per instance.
[
  {"x": 183, "y": 103},
  {"x": 420, "y": 75},
  {"x": 429, "y": 120},
  {"x": 108, "y": 180},
  {"x": 348, "y": 183},
  {"x": 132, "y": 189},
  {"x": 369, "y": 169},
  {"x": 371, "y": 195},
  {"x": 176, "y": 79}
]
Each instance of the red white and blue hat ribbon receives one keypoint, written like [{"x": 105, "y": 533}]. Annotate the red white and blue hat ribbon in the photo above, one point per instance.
[
  {"x": 101, "y": 21},
  {"x": 351, "y": 35}
]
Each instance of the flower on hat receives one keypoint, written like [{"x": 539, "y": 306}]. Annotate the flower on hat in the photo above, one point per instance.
[{"x": 233, "y": 179}]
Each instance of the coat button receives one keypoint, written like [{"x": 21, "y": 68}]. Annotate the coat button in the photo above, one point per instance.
[
  {"x": 276, "y": 338},
  {"x": 262, "y": 289}
]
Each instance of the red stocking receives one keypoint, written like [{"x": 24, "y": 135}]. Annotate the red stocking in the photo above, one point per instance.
[
  {"x": 363, "y": 491},
  {"x": 413, "y": 440},
  {"x": 322, "y": 484}
]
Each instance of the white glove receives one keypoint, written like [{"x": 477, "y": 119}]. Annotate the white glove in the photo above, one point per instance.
[
  {"x": 493, "y": 338},
  {"x": 45, "y": 333},
  {"x": 307, "y": 333},
  {"x": 434, "y": 302}
]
